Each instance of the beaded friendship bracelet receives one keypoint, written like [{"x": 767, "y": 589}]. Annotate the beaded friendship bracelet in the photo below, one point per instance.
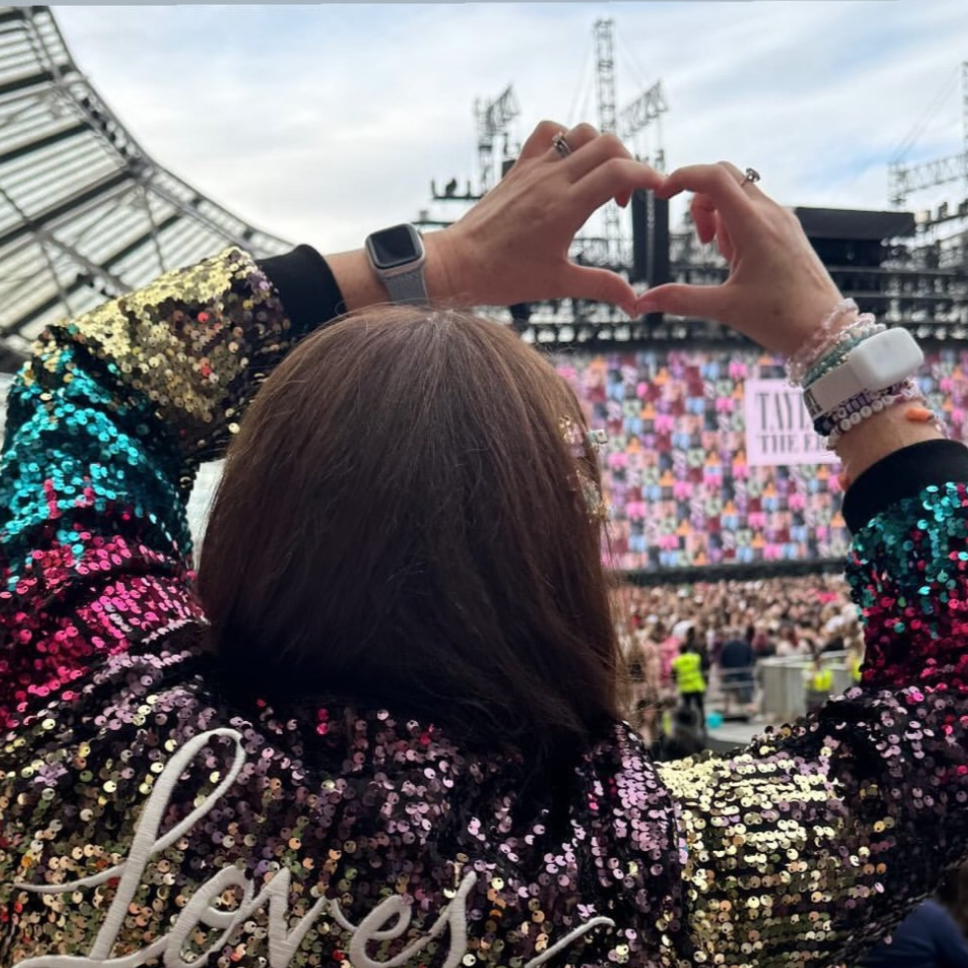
[
  {"x": 802, "y": 359},
  {"x": 916, "y": 414},
  {"x": 906, "y": 392},
  {"x": 829, "y": 347},
  {"x": 863, "y": 328},
  {"x": 865, "y": 404}
]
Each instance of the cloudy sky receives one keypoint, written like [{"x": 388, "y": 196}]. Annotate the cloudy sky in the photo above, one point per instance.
[{"x": 322, "y": 123}]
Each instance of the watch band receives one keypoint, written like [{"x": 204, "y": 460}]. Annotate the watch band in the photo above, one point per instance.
[
  {"x": 833, "y": 388},
  {"x": 878, "y": 362},
  {"x": 407, "y": 287},
  {"x": 397, "y": 256}
]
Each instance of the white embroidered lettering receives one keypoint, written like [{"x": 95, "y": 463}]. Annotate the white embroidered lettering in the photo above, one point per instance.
[
  {"x": 283, "y": 944},
  {"x": 198, "y": 911},
  {"x": 387, "y": 921}
]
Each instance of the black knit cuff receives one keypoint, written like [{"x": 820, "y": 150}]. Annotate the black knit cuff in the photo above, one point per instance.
[
  {"x": 903, "y": 474},
  {"x": 307, "y": 287}
]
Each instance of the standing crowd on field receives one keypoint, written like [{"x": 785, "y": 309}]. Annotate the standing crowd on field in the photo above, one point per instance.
[{"x": 690, "y": 647}]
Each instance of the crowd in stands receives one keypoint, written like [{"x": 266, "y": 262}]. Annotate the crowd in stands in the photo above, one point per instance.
[{"x": 676, "y": 474}]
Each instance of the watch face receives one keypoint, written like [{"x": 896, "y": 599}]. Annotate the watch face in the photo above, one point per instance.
[{"x": 394, "y": 247}]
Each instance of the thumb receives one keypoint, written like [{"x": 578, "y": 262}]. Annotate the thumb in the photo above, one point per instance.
[
  {"x": 703, "y": 302},
  {"x": 600, "y": 285}
]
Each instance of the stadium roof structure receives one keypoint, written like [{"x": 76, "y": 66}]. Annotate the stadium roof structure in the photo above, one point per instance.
[{"x": 85, "y": 213}]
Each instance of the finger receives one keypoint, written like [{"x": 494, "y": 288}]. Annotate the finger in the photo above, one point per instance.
[
  {"x": 704, "y": 217},
  {"x": 539, "y": 140},
  {"x": 594, "y": 153},
  {"x": 697, "y": 302},
  {"x": 611, "y": 178},
  {"x": 723, "y": 240},
  {"x": 600, "y": 285},
  {"x": 748, "y": 185},
  {"x": 581, "y": 135},
  {"x": 717, "y": 182},
  {"x": 575, "y": 138}
]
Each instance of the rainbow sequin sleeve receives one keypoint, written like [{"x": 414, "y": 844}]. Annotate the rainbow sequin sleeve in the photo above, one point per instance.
[
  {"x": 813, "y": 842},
  {"x": 106, "y": 426}
]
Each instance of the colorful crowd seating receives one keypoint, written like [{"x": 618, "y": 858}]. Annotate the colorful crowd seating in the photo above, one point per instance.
[{"x": 676, "y": 476}]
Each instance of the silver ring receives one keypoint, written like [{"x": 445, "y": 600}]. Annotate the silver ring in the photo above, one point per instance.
[
  {"x": 560, "y": 144},
  {"x": 752, "y": 176}
]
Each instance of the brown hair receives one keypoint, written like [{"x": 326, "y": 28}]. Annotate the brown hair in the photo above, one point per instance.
[{"x": 401, "y": 523}]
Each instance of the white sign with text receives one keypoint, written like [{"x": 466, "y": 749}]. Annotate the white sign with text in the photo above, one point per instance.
[{"x": 779, "y": 430}]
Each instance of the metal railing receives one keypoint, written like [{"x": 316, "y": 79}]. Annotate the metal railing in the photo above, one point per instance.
[{"x": 782, "y": 684}]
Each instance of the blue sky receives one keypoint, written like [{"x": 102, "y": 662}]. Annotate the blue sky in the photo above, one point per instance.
[{"x": 321, "y": 123}]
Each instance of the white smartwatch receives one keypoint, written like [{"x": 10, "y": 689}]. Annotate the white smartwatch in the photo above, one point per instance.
[
  {"x": 875, "y": 364},
  {"x": 397, "y": 256}
]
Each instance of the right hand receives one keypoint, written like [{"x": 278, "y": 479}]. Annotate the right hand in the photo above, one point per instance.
[
  {"x": 513, "y": 245},
  {"x": 778, "y": 290}
]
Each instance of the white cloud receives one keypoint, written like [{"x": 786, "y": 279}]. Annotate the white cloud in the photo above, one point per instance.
[{"x": 321, "y": 123}]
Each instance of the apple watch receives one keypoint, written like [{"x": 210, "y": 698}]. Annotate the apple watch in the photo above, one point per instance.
[
  {"x": 397, "y": 256},
  {"x": 875, "y": 364}
]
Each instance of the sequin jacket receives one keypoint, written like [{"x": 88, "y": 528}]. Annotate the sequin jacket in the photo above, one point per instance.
[{"x": 144, "y": 820}]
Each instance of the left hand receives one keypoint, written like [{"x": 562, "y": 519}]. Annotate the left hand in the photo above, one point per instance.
[
  {"x": 778, "y": 290},
  {"x": 512, "y": 247}
]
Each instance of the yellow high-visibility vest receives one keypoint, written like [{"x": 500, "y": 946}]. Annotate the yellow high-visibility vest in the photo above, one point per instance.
[
  {"x": 687, "y": 669},
  {"x": 822, "y": 681}
]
